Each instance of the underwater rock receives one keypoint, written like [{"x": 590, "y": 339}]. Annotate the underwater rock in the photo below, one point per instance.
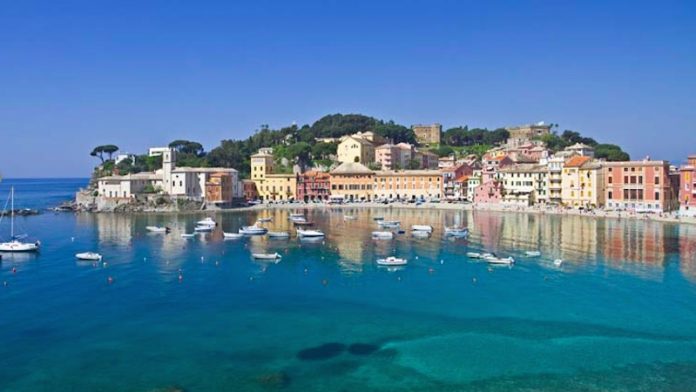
[
  {"x": 274, "y": 380},
  {"x": 362, "y": 348},
  {"x": 322, "y": 352}
]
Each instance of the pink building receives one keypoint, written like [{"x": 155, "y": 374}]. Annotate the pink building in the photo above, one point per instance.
[
  {"x": 687, "y": 187},
  {"x": 490, "y": 191},
  {"x": 641, "y": 186},
  {"x": 394, "y": 156},
  {"x": 451, "y": 189}
]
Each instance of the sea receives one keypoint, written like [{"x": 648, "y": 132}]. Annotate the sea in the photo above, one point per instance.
[{"x": 163, "y": 313}]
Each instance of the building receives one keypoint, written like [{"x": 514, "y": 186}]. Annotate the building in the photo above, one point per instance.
[
  {"x": 356, "y": 150},
  {"x": 640, "y": 186},
  {"x": 352, "y": 181},
  {"x": 446, "y": 162},
  {"x": 452, "y": 178},
  {"x": 270, "y": 186},
  {"x": 426, "y": 159},
  {"x": 427, "y": 134},
  {"x": 489, "y": 191},
  {"x": 122, "y": 157},
  {"x": 524, "y": 184},
  {"x": 219, "y": 188},
  {"x": 581, "y": 149},
  {"x": 394, "y": 156},
  {"x": 157, "y": 151},
  {"x": 179, "y": 182},
  {"x": 471, "y": 184},
  {"x": 687, "y": 188},
  {"x": 582, "y": 183},
  {"x": 554, "y": 185},
  {"x": 408, "y": 184},
  {"x": 526, "y": 133},
  {"x": 250, "y": 192},
  {"x": 313, "y": 186}
]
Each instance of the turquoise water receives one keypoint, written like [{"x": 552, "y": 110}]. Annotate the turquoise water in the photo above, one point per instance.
[{"x": 200, "y": 315}]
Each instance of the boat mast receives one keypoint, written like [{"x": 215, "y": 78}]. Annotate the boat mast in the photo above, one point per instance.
[{"x": 12, "y": 214}]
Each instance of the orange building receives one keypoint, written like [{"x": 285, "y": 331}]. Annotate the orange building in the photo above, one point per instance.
[
  {"x": 641, "y": 186},
  {"x": 219, "y": 188},
  {"x": 352, "y": 181},
  {"x": 687, "y": 187},
  {"x": 408, "y": 184}
]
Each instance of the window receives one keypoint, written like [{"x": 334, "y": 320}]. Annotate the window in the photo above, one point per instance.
[
  {"x": 611, "y": 180},
  {"x": 657, "y": 195},
  {"x": 657, "y": 180},
  {"x": 610, "y": 196}
]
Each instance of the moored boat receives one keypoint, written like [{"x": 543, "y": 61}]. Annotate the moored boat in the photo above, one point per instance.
[
  {"x": 278, "y": 234},
  {"x": 477, "y": 255},
  {"x": 532, "y": 253},
  {"x": 422, "y": 228},
  {"x": 203, "y": 228},
  {"x": 253, "y": 230},
  {"x": 232, "y": 236},
  {"x": 158, "y": 229},
  {"x": 492, "y": 259},
  {"x": 91, "y": 256},
  {"x": 206, "y": 222},
  {"x": 188, "y": 235},
  {"x": 266, "y": 256},
  {"x": 382, "y": 235},
  {"x": 389, "y": 224},
  {"x": 392, "y": 261},
  {"x": 349, "y": 217},
  {"x": 310, "y": 233},
  {"x": 264, "y": 220},
  {"x": 15, "y": 244}
]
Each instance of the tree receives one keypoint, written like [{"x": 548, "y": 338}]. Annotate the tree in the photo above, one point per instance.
[
  {"x": 611, "y": 152},
  {"x": 99, "y": 151},
  {"x": 395, "y": 132},
  {"x": 374, "y": 166},
  {"x": 187, "y": 147},
  {"x": 110, "y": 149},
  {"x": 301, "y": 153},
  {"x": 323, "y": 150},
  {"x": 444, "y": 151}
]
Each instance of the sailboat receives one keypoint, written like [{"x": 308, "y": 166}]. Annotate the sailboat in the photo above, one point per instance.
[{"x": 15, "y": 244}]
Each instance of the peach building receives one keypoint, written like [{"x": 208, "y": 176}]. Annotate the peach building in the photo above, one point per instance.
[
  {"x": 408, "y": 184},
  {"x": 219, "y": 188},
  {"x": 352, "y": 181},
  {"x": 582, "y": 183},
  {"x": 394, "y": 156},
  {"x": 687, "y": 187},
  {"x": 640, "y": 186}
]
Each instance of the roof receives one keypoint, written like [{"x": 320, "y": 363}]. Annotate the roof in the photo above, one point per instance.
[
  {"x": 524, "y": 168},
  {"x": 358, "y": 139},
  {"x": 578, "y": 146},
  {"x": 351, "y": 168},
  {"x": 577, "y": 161},
  {"x": 316, "y": 174},
  {"x": 133, "y": 177},
  {"x": 203, "y": 170},
  {"x": 645, "y": 162},
  {"x": 462, "y": 178},
  {"x": 408, "y": 173}
]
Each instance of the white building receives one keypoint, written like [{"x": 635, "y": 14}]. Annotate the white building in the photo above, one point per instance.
[
  {"x": 581, "y": 149},
  {"x": 524, "y": 184},
  {"x": 157, "y": 151}
]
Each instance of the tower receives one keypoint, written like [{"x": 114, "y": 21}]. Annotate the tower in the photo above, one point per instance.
[{"x": 168, "y": 165}]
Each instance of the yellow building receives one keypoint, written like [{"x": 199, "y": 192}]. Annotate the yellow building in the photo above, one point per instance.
[
  {"x": 356, "y": 149},
  {"x": 408, "y": 184},
  {"x": 352, "y": 181},
  {"x": 582, "y": 183},
  {"x": 268, "y": 185}
]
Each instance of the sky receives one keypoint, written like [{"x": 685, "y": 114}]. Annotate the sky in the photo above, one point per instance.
[{"x": 75, "y": 74}]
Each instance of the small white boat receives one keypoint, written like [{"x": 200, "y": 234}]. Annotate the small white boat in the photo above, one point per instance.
[
  {"x": 253, "y": 230},
  {"x": 423, "y": 228},
  {"x": 278, "y": 234},
  {"x": 389, "y": 224},
  {"x": 492, "y": 259},
  {"x": 158, "y": 229},
  {"x": 558, "y": 262},
  {"x": 310, "y": 233},
  {"x": 349, "y": 217},
  {"x": 266, "y": 256},
  {"x": 232, "y": 236},
  {"x": 382, "y": 235},
  {"x": 456, "y": 231},
  {"x": 392, "y": 261},
  {"x": 532, "y": 253},
  {"x": 206, "y": 222},
  {"x": 263, "y": 220},
  {"x": 203, "y": 229},
  {"x": 92, "y": 256},
  {"x": 188, "y": 235},
  {"x": 295, "y": 217},
  {"x": 477, "y": 255}
]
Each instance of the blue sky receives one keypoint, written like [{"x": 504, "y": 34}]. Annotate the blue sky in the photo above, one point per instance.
[{"x": 137, "y": 74}]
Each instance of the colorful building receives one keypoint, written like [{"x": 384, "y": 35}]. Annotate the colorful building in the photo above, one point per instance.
[
  {"x": 524, "y": 184},
  {"x": 451, "y": 187},
  {"x": 352, "y": 181},
  {"x": 687, "y": 188},
  {"x": 408, "y": 184},
  {"x": 271, "y": 186},
  {"x": 394, "y": 156},
  {"x": 313, "y": 186},
  {"x": 219, "y": 188},
  {"x": 582, "y": 183},
  {"x": 250, "y": 192},
  {"x": 354, "y": 149},
  {"x": 640, "y": 186}
]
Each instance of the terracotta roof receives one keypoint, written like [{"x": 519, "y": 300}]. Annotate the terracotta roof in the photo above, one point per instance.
[
  {"x": 462, "y": 178},
  {"x": 577, "y": 161}
]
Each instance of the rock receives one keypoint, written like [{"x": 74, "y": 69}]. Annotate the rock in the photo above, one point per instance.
[{"x": 274, "y": 380}]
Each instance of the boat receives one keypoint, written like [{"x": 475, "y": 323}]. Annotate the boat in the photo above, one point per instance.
[
  {"x": 310, "y": 233},
  {"x": 206, "y": 222},
  {"x": 349, "y": 217},
  {"x": 158, "y": 229},
  {"x": 477, "y": 255},
  {"x": 391, "y": 261},
  {"x": 420, "y": 234},
  {"x": 92, "y": 256},
  {"x": 294, "y": 217},
  {"x": 492, "y": 259},
  {"x": 558, "y": 262},
  {"x": 303, "y": 223},
  {"x": 264, "y": 220},
  {"x": 16, "y": 244},
  {"x": 266, "y": 256},
  {"x": 532, "y": 253},
  {"x": 232, "y": 236},
  {"x": 382, "y": 235},
  {"x": 188, "y": 235},
  {"x": 456, "y": 231},
  {"x": 389, "y": 224},
  {"x": 422, "y": 228},
  {"x": 278, "y": 234},
  {"x": 203, "y": 228},
  {"x": 253, "y": 230}
]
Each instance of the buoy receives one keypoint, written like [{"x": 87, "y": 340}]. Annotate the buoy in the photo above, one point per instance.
[
  {"x": 181, "y": 277},
  {"x": 14, "y": 270},
  {"x": 473, "y": 280},
  {"x": 217, "y": 263},
  {"x": 110, "y": 280},
  {"x": 104, "y": 264},
  {"x": 324, "y": 282},
  {"x": 398, "y": 278},
  {"x": 4, "y": 283},
  {"x": 251, "y": 278},
  {"x": 72, "y": 239},
  {"x": 442, "y": 261},
  {"x": 431, "y": 270}
]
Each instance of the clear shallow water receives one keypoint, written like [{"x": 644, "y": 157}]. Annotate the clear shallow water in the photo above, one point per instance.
[{"x": 618, "y": 315}]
